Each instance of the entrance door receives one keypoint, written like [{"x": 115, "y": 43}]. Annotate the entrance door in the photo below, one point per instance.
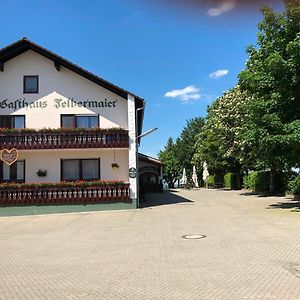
[{"x": 149, "y": 182}]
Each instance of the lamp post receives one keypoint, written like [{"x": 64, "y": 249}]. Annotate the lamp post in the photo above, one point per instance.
[{"x": 146, "y": 133}]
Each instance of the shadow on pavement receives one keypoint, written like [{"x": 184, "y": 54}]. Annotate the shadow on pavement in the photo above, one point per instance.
[
  {"x": 260, "y": 195},
  {"x": 165, "y": 198},
  {"x": 285, "y": 203},
  {"x": 289, "y": 204}
]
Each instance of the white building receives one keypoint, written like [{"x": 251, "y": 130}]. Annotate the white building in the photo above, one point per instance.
[{"x": 67, "y": 125}]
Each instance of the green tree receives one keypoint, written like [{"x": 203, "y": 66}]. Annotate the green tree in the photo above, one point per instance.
[
  {"x": 178, "y": 155},
  {"x": 271, "y": 132},
  {"x": 186, "y": 143},
  {"x": 172, "y": 166}
]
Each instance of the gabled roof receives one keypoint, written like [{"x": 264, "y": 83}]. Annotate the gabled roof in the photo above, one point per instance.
[{"x": 24, "y": 44}]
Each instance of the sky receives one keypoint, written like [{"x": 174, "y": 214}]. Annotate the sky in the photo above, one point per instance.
[{"x": 179, "y": 55}]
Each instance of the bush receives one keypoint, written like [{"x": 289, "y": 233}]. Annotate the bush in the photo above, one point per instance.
[
  {"x": 211, "y": 180},
  {"x": 228, "y": 180},
  {"x": 231, "y": 181},
  {"x": 215, "y": 180},
  {"x": 293, "y": 185},
  {"x": 257, "y": 181},
  {"x": 248, "y": 181}
]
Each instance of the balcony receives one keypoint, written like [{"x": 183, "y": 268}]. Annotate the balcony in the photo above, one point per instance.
[
  {"x": 25, "y": 139},
  {"x": 68, "y": 195}
]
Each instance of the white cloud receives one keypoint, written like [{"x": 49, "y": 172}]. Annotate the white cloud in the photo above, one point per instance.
[
  {"x": 177, "y": 93},
  {"x": 219, "y": 73},
  {"x": 189, "y": 93},
  {"x": 190, "y": 97},
  {"x": 224, "y": 7}
]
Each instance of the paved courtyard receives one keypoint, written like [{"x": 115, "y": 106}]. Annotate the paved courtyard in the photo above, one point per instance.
[{"x": 251, "y": 250}]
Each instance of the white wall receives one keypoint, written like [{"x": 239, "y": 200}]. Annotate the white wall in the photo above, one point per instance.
[
  {"x": 132, "y": 147},
  {"x": 53, "y": 85},
  {"x": 50, "y": 160}
]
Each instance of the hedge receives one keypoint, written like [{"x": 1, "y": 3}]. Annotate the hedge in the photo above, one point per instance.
[
  {"x": 231, "y": 181},
  {"x": 293, "y": 185},
  {"x": 215, "y": 180},
  {"x": 259, "y": 181}
]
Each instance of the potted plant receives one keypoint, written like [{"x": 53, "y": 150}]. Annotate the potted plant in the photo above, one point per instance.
[
  {"x": 115, "y": 166},
  {"x": 41, "y": 173}
]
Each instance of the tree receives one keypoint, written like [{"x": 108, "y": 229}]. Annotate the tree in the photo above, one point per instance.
[
  {"x": 177, "y": 156},
  {"x": 186, "y": 143},
  {"x": 271, "y": 133},
  {"x": 172, "y": 167},
  {"x": 219, "y": 143}
]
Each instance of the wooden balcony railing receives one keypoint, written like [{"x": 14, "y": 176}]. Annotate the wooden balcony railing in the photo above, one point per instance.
[
  {"x": 64, "y": 195},
  {"x": 64, "y": 140}
]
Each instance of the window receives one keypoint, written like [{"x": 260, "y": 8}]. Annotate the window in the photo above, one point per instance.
[
  {"x": 80, "y": 169},
  {"x": 31, "y": 84},
  {"x": 90, "y": 169},
  {"x": 12, "y": 173},
  {"x": 19, "y": 121},
  {"x": 12, "y": 121},
  {"x": 87, "y": 121},
  {"x": 70, "y": 169},
  {"x": 75, "y": 121},
  {"x": 68, "y": 121}
]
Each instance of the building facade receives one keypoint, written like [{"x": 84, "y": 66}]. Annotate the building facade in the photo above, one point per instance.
[{"x": 62, "y": 126}]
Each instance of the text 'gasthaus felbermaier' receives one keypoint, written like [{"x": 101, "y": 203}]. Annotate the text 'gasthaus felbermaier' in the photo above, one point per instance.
[{"x": 57, "y": 103}]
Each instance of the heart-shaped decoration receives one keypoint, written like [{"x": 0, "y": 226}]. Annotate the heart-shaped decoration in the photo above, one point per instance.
[{"x": 9, "y": 156}]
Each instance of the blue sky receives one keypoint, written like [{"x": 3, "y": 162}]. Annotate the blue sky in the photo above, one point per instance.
[{"x": 166, "y": 54}]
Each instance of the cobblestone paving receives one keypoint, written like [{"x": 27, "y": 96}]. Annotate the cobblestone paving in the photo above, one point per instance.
[{"x": 251, "y": 250}]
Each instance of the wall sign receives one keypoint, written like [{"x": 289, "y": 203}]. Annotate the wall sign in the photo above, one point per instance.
[
  {"x": 132, "y": 172},
  {"x": 57, "y": 103},
  {"x": 9, "y": 156}
]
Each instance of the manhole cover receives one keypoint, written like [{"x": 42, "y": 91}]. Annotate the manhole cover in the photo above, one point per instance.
[
  {"x": 294, "y": 269},
  {"x": 193, "y": 236}
]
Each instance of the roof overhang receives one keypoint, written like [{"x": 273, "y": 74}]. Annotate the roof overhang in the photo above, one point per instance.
[{"x": 150, "y": 160}]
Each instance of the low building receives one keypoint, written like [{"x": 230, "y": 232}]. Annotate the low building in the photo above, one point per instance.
[
  {"x": 67, "y": 136},
  {"x": 150, "y": 174}
]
